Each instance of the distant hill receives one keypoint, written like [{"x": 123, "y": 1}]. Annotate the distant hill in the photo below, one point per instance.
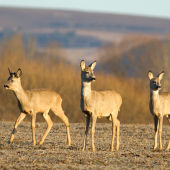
[
  {"x": 33, "y": 19},
  {"x": 81, "y": 33},
  {"x": 58, "y": 25}
]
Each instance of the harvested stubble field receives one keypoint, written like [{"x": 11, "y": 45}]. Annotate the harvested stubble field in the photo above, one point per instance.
[{"x": 135, "y": 152}]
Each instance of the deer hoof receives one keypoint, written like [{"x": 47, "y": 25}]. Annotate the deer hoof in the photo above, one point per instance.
[
  {"x": 40, "y": 143},
  {"x": 93, "y": 149},
  {"x": 34, "y": 143},
  {"x": 117, "y": 148},
  {"x": 69, "y": 143}
]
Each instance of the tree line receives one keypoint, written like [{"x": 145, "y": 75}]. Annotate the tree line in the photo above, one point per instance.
[{"x": 122, "y": 67}]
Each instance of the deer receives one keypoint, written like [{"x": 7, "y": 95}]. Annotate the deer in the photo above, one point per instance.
[
  {"x": 97, "y": 104},
  {"x": 159, "y": 106},
  {"x": 36, "y": 101}
]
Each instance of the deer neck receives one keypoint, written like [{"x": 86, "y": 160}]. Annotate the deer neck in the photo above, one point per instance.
[
  {"x": 20, "y": 94},
  {"x": 154, "y": 96},
  {"x": 86, "y": 90}
]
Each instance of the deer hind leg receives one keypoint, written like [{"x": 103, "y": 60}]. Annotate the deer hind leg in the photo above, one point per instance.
[
  {"x": 156, "y": 124},
  {"x": 86, "y": 131},
  {"x": 20, "y": 118},
  {"x": 168, "y": 117},
  {"x": 33, "y": 130},
  {"x": 50, "y": 124},
  {"x": 115, "y": 123},
  {"x": 113, "y": 135},
  {"x": 118, "y": 131},
  {"x": 63, "y": 117},
  {"x": 167, "y": 148}
]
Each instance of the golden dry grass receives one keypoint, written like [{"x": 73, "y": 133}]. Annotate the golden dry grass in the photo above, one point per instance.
[{"x": 49, "y": 72}]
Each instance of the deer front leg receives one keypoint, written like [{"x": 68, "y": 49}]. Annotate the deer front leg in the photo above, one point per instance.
[
  {"x": 156, "y": 131},
  {"x": 86, "y": 132},
  {"x": 94, "y": 118},
  {"x": 20, "y": 118},
  {"x": 33, "y": 130},
  {"x": 160, "y": 131},
  {"x": 50, "y": 124}
]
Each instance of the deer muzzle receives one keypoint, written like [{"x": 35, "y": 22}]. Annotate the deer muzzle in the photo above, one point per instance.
[
  {"x": 93, "y": 78},
  {"x": 6, "y": 86},
  {"x": 158, "y": 87}
]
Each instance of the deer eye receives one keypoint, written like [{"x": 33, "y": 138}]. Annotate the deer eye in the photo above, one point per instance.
[
  {"x": 87, "y": 72},
  {"x": 12, "y": 80}
]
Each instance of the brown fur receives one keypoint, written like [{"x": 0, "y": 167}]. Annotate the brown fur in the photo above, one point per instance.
[
  {"x": 97, "y": 104},
  {"x": 34, "y": 101},
  {"x": 159, "y": 105}
]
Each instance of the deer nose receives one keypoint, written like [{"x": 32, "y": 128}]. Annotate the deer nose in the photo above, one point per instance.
[
  {"x": 158, "y": 86},
  {"x": 93, "y": 78},
  {"x": 6, "y": 86}
]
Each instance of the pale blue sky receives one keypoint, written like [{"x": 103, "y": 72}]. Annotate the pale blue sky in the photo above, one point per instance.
[{"x": 155, "y": 8}]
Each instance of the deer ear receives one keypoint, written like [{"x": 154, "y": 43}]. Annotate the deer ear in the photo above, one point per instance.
[
  {"x": 161, "y": 75},
  {"x": 18, "y": 73},
  {"x": 92, "y": 65},
  {"x": 9, "y": 71},
  {"x": 150, "y": 75},
  {"x": 82, "y": 65}
]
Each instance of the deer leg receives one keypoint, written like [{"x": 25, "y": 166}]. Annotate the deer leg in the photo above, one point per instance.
[
  {"x": 167, "y": 148},
  {"x": 63, "y": 117},
  {"x": 50, "y": 124},
  {"x": 156, "y": 131},
  {"x": 33, "y": 130},
  {"x": 94, "y": 119},
  {"x": 20, "y": 118},
  {"x": 117, "y": 122},
  {"x": 160, "y": 131},
  {"x": 86, "y": 131},
  {"x": 113, "y": 134}
]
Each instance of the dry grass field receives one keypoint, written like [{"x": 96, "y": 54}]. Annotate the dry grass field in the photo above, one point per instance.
[{"x": 136, "y": 148}]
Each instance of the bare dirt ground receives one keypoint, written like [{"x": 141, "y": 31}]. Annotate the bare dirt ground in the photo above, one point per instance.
[{"x": 135, "y": 152}]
